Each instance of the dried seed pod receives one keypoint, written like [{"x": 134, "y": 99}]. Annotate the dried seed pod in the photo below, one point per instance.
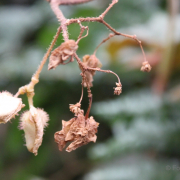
[
  {"x": 9, "y": 106},
  {"x": 92, "y": 62},
  {"x": 78, "y": 130},
  {"x": 62, "y": 53},
  {"x": 146, "y": 67},
  {"x": 61, "y": 135},
  {"x": 118, "y": 89},
  {"x": 33, "y": 123}
]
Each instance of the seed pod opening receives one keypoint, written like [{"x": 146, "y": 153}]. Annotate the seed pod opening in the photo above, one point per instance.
[{"x": 9, "y": 106}]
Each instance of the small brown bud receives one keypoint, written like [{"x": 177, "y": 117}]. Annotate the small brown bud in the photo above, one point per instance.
[
  {"x": 62, "y": 53},
  {"x": 33, "y": 123},
  {"x": 9, "y": 106},
  {"x": 75, "y": 108},
  {"x": 78, "y": 130},
  {"x": 146, "y": 67},
  {"x": 118, "y": 89}
]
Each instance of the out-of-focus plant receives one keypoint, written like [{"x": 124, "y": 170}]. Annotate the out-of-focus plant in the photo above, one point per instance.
[{"x": 81, "y": 129}]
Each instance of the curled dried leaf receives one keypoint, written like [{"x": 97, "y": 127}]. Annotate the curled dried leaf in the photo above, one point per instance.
[
  {"x": 118, "y": 89},
  {"x": 146, "y": 67},
  {"x": 62, "y": 53},
  {"x": 92, "y": 62},
  {"x": 33, "y": 123},
  {"x": 9, "y": 106},
  {"x": 78, "y": 130}
]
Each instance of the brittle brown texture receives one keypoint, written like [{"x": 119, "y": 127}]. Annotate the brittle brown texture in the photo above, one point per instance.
[
  {"x": 78, "y": 130},
  {"x": 62, "y": 53},
  {"x": 92, "y": 62}
]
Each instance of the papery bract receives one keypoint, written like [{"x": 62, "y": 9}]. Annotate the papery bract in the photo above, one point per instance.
[
  {"x": 62, "y": 53},
  {"x": 9, "y": 106},
  {"x": 33, "y": 123},
  {"x": 78, "y": 130}
]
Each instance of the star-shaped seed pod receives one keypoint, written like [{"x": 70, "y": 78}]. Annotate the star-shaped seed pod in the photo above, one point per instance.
[
  {"x": 78, "y": 130},
  {"x": 62, "y": 53},
  {"x": 33, "y": 123},
  {"x": 9, "y": 106}
]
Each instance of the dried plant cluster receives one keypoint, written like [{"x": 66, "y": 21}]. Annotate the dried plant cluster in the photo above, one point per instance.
[{"x": 81, "y": 129}]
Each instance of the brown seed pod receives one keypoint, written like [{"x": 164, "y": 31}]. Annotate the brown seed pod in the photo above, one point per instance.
[
  {"x": 78, "y": 130},
  {"x": 62, "y": 53},
  {"x": 92, "y": 62}
]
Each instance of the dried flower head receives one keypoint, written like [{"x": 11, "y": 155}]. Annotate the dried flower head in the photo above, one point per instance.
[
  {"x": 92, "y": 62},
  {"x": 62, "y": 53},
  {"x": 33, "y": 123},
  {"x": 146, "y": 67},
  {"x": 9, "y": 106},
  {"x": 118, "y": 89},
  {"x": 75, "y": 108},
  {"x": 77, "y": 130}
]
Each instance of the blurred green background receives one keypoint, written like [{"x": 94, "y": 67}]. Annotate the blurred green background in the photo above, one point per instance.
[{"x": 139, "y": 132}]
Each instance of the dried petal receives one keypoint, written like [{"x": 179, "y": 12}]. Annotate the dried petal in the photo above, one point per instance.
[
  {"x": 9, "y": 106},
  {"x": 92, "y": 62},
  {"x": 62, "y": 53},
  {"x": 146, "y": 67},
  {"x": 78, "y": 130},
  {"x": 61, "y": 135},
  {"x": 118, "y": 89},
  {"x": 33, "y": 123}
]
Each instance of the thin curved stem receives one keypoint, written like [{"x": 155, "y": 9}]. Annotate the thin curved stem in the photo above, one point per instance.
[
  {"x": 109, "y": 37},
  {"x": 125, "y": 35},
  {"x": 108, "y": 8},
  {"x": 36, "y": 75},
  {"x": 83, "y": 28},
  {"x": 90, "y": 100},
  {"x": 82, "y": 91},
  {"x": 86, "y": 68},
  {"x": 29, "y": 89}
]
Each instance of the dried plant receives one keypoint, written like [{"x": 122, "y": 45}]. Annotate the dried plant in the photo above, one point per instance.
[
  {"x": 81, "y": 129},
  {"x": 77, "y": 130}
]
